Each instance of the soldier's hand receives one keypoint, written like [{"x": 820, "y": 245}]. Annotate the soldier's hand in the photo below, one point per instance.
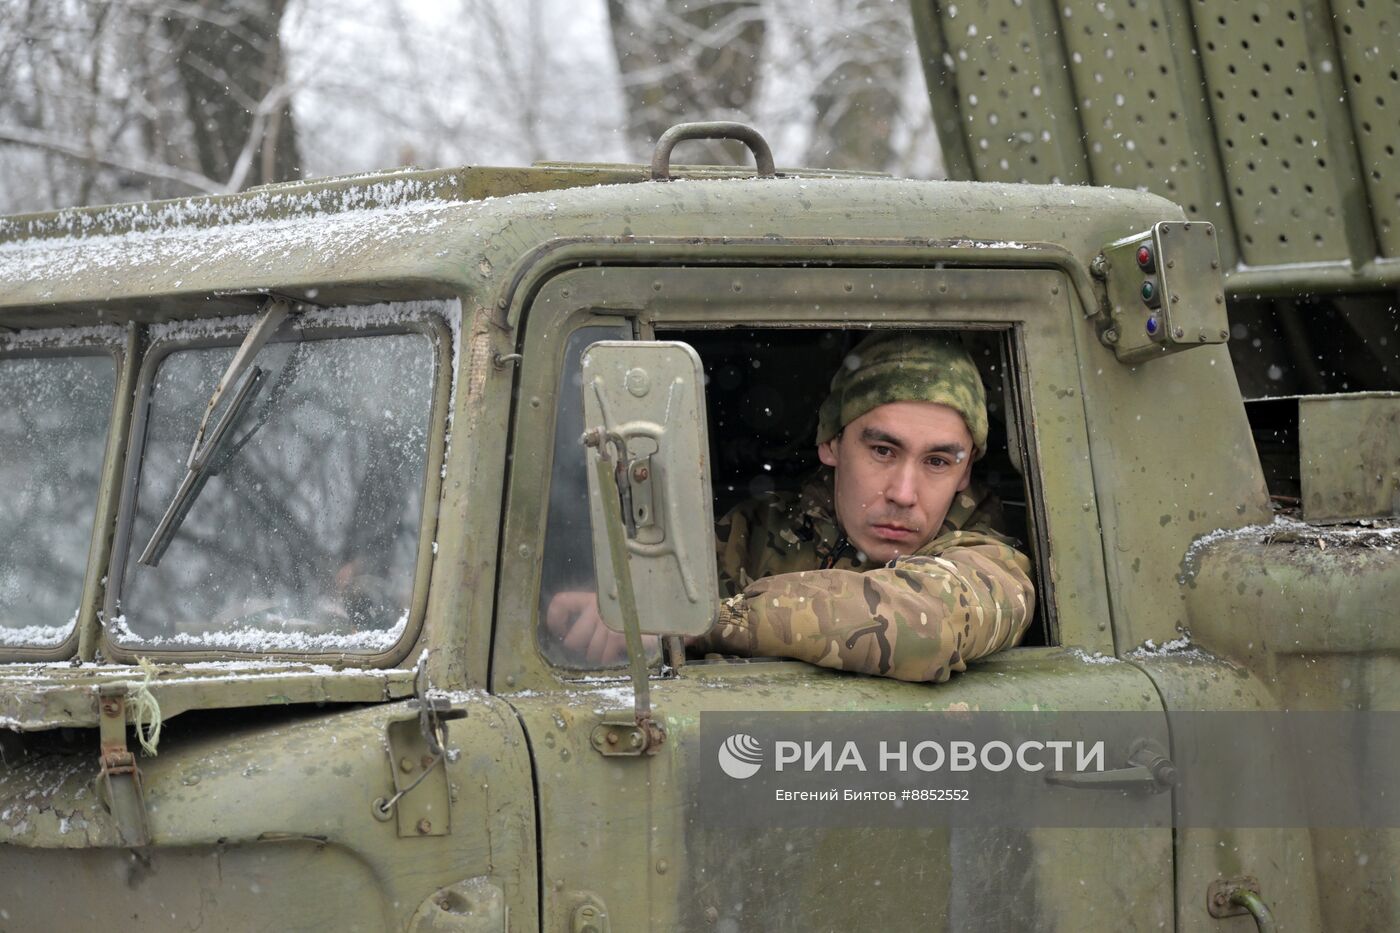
[{"x": 573, "y": 618}]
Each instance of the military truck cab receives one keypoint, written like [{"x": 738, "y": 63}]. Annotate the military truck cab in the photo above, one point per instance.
[{"x": 291, "y": 476}]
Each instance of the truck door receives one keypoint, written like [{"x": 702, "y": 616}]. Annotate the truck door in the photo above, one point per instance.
[{"x": 624, "y": 842}]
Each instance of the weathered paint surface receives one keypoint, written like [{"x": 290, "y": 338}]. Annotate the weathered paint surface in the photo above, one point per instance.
[
  {"x": 266, "y": 815},
  {"x": 261, "y": 811},
  {"x": 637, "y": 842}
]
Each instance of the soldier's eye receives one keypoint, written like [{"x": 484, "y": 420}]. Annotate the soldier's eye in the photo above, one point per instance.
[{"x": 881, "y": 451}]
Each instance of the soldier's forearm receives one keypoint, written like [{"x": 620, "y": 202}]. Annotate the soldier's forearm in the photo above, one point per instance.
[{"x": 919, "y": 620}]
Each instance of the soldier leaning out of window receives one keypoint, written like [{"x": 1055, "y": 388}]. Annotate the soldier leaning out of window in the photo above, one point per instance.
[{"x": 886, "y": 562}]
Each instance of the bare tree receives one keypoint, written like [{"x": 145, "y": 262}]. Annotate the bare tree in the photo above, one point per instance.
[
  {"x": 88, "y": 115},
  {"x": 469, "y": 82},
  {"x": 860, "y": 69},
  {"x": 229, "y": 58},
  {"x": 826, "y": 78},
  {"x": 117, "y": 100},
  {"x": 685, "y": 60}
]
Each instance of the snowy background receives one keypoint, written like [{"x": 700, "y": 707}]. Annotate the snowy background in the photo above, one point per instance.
[{"x": 138, "y": 99}]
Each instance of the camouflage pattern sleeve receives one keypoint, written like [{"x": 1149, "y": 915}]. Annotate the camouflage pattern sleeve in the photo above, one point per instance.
[
  {"x": 963, "y": 597},
  {"x": 732, "y": 551},
  {"x": 755, "y": 539}
]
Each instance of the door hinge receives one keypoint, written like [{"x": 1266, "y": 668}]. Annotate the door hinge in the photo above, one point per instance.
[
  {"x": 622, "y": 735},
  {"x": 119, "y": 776}
]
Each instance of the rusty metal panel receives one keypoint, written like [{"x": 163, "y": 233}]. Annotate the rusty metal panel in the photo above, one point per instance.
[
  {"x": 1008, "y": 67},
  {"x": 1366, "y": 36},
  {"x": 1349, "y": 455}
]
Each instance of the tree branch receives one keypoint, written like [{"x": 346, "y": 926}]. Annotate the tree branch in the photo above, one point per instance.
[{"x": 82, "y": 153}]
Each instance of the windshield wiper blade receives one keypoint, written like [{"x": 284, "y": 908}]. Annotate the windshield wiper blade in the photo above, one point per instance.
[
  {"x": 200, "y": 468},
  {"x": 203, "y": 452},
  {"x": 274, "y": 311}
]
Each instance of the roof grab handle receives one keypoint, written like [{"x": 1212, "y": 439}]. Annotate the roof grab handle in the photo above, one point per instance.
[{"x": 720, "y": 129}]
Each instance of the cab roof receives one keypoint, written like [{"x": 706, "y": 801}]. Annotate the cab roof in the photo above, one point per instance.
[{"x": 445, "y": 233}]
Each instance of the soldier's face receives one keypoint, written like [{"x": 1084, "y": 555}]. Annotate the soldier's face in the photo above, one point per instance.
[{"x": 898, "y": 468}]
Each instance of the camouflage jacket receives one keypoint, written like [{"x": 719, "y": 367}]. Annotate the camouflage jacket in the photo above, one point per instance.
[{"x": 965, "y": 594}]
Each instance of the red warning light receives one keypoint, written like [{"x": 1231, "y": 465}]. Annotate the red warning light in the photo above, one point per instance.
[{"x": 1144, "y": 258}]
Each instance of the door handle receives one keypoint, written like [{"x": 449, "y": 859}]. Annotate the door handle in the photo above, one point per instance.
[{"x": 1148, "y": 769}]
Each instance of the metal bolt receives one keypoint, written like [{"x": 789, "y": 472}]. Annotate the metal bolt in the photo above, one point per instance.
[
  {"x": 1220, "y": 299},
  {"x": 1215, "y": 264},
  {"x": 1178, "y": 332},
  {"x": 640, "y": 473},
  {"x": 1224, "y": 335},
  {"x": 424, "y": 826},
  {"x": 662, "y": 866},
  {"x": 1175, "y": 298},
  {"x": 406, "y": 764},
  {"x": 612, "y": 738},
  {"x": 711, "y": 915},
  {"x": 1054, "y": 289},
  {"x": 1110, "y": 336},
  {"x": 635, "y": 739},
  {"x": 426, "y": 761},
  {"x": 1171, "y": 263}
]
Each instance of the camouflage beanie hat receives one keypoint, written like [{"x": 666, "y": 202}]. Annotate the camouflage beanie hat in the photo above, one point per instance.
[{"x": 897, "y": 366}]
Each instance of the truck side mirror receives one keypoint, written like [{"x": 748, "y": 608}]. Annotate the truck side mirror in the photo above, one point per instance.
[{"x": 649, "y": 486}]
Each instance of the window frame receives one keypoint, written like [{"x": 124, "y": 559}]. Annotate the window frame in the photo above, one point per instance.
[
  {"x": 1037, "y": 306},
  {"x": 426, "y": 322},
  {"x": 106, "y": 340}
]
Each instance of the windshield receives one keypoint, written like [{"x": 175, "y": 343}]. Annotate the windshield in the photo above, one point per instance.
[
  {"x": 53, "y": 431},
  {"x": 305, "y": 534}
]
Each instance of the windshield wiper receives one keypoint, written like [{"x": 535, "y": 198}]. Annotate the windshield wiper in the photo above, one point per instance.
[{"x": 205, "y": 453}]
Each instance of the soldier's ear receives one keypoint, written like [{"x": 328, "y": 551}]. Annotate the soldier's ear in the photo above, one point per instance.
[{"x": 829, "y": 453}]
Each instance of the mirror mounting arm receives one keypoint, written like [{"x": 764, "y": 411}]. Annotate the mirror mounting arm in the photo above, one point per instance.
[{"x": 612, "y": 481}]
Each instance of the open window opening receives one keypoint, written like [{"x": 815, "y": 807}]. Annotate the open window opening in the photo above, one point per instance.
[{"x": 764, "y": 389}]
